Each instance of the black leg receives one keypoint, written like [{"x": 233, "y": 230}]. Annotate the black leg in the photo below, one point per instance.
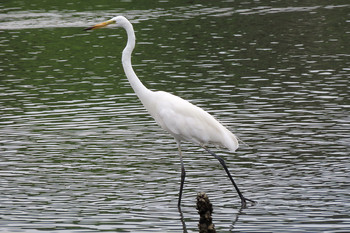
[
  {"x": 183, "y": 175},
  {"x": 243, "y": 199}
]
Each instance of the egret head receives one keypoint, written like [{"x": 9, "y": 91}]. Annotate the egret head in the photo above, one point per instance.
[{"x": 119, "y": 21}]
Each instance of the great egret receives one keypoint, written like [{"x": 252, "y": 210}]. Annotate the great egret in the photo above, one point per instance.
[{"x": 183, "y": 120}]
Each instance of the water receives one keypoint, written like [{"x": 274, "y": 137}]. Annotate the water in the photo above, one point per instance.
[{"x": 80, "y": 154}]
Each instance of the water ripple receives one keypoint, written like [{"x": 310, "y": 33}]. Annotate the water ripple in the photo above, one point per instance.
[
  {"x": 79, "y": 152},
  {"x": 12, "y": 19}
]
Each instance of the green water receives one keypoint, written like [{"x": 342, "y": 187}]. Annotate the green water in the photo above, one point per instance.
[{"x": 78, "y": 153}]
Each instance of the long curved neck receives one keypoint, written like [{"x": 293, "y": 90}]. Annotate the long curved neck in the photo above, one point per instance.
[{"x": 140, "y": 90}]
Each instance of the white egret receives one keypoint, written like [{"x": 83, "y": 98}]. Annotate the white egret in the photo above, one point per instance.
[{"x": 183, "y": 120}]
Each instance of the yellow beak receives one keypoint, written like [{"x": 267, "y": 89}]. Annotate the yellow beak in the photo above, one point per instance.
[{"x": 100, "y": 25}]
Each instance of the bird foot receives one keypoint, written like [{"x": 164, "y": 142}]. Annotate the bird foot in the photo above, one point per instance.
[{"x": 244, "y": 202}]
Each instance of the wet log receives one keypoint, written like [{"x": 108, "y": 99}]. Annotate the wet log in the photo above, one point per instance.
[{"x": 205, "y": 209}]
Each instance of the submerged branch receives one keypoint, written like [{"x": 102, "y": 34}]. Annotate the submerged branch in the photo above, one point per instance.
[{"x": 205, "y": 209}]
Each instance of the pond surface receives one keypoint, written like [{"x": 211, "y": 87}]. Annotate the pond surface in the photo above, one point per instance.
[{"x": 78, "y": 153}]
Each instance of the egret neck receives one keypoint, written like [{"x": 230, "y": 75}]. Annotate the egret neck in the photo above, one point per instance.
[{"x": 140, "y": 90}]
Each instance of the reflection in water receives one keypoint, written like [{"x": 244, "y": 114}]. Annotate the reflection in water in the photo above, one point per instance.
[
  {"x": 235, "y": 218},
  {"x": 184, "y": 227},
  {"x": 79, "y": 153},
  {"x": 233, "y": 223}
]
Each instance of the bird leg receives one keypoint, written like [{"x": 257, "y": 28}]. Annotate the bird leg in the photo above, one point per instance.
[
  {"x": 183, "y": 174},
  {"x": 243, "y": 199}
]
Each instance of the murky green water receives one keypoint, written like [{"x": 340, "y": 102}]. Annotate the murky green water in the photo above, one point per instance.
[{"x": 78, "y": 153}]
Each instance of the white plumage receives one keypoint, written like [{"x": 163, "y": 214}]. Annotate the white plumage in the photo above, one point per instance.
[{"x": 187, "y": 122}]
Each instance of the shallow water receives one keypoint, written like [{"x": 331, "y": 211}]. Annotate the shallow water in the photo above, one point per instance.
[{"x": 78, "y": 153}]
